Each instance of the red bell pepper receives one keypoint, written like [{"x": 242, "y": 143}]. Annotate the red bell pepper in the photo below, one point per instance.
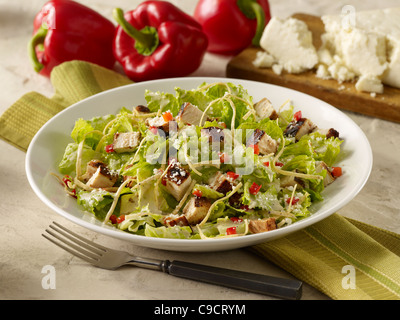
[
  {"x": 65, "y": 30},
  {"x": 158, "y": 40},
  {"x": 232, "y": 25}
]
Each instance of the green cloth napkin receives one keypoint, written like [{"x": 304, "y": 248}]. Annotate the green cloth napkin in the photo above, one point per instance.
[{"x": 341, "y": 257}]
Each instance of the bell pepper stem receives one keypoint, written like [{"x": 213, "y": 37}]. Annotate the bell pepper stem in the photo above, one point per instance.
[
  {"x": 253, "y": 10},
  {"x": 146, "y": 40},
  {"x": 36, "y": 40},
  {"x": 260, "y": 17}
]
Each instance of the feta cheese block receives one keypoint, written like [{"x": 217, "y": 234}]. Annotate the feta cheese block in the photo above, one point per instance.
[
  {"x": 289, "y": 42},
  {"x": 369, "y": 49}
]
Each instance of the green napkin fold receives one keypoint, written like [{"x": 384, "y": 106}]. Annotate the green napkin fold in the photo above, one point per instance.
[
  {"x": 341, "y": 257},
  {"x": 72, "y": 82}
]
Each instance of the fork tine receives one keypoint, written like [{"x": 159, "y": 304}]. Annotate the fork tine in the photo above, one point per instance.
[
  {"x": 70, "y": 240},
  {"x": 68, "y": 249},
  {"x": 77, "y": 236}
]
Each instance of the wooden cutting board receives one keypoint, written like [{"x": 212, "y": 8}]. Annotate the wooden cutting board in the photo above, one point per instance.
[{"x": 341, "y": 95}]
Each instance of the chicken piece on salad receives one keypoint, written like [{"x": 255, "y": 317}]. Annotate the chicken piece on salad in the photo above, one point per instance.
[
  {"x": 98, "y": 175},
  {"x": 221, "y": 183},
  {"x": 262, "y": 225},
  {"x": 177, "y": 180},
  {"x": 126, "y": 141},
  {"x": 196, "y": 209},
  {"x": 189, "y": 114},
  {"x": 266, "y": 145},
  {"x": 265, "y": 109},
  {"x": 299, "y": 128}
]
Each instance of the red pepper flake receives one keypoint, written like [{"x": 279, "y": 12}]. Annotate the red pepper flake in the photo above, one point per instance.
[
  {"x": 294, "y": 200},
  {"x": 232, "y": 175},
  {"x": 297, "y": 116},
  {"x": 236, "y": 219},
  {"x": 121, "y": 218},
  {"x": 279, "y": 164},
  {"x": 256, "y": 148},
  {"x": 336, "y": 171},
  {"x": 113, "y": 219},
  {"x": 109, "y": 148},
  {"x": 255, "y": 188},
  {"x": 244, "y": 207},
  {"x": 197, "y": 193},
  {"x": 167, "y": 116},
  {"x": 231, "y": 230}
]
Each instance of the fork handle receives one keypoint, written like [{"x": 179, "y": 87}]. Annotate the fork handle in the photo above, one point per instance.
[{"x": 268, "y": 285}]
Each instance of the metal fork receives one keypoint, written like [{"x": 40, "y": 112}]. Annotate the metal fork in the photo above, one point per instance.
[{"x": 111, "y": 259}]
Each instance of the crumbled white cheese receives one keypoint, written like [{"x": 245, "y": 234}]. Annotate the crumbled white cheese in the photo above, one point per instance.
[
  {"x": 289, "y": 42},
  {"x": 366, "y": 52},
  {"x": 322, "y": 72},
  {"x": 369, "y": 83},
  {"x": 263, "y": 60},
  {"x": 370, "y": 49},
  {"x": 277, "y": 68}
]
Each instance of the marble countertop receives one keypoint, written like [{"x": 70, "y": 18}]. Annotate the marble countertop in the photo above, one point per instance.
[{"x": 24, "y": 253}]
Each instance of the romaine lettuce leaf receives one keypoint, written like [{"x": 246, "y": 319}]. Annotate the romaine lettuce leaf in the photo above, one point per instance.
[
  {"x": 162, "y": 101},
  {"x": 208, "y": 192},
  {"x": 98, "y": 201},
  {"x": 326, "y": 150},
  {"x": 175, "y": 232},
  {"x": 68, "y": 163}
]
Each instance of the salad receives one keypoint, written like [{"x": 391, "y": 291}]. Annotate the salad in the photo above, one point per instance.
[{"x": 198, "y": 164}]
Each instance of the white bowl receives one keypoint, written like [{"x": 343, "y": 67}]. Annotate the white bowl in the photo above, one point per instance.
[{"x": 47, "y": 148}]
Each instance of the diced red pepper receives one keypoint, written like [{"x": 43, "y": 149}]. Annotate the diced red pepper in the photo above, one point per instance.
[
  {"x": 256, "y": 148},
  {"x": 294, "y": 200},
  {"x": 197, "y": 193},
  {"x": 113, "y": 219},
  {"x": 167, "y": 116},
  {"x": 74, "y": 194},
  {"x": 153, "y": 130},
  {"x": 244, "y": 207},
  {"x": 120, "y": 218},
  {"x": 67, "y": 179},
  {"x": 266, "y": 163},
  {"x": 109, "y": 148},
  {"x": 297, "y": 116},
  {"x": 279, "y": 164},
  {"x": 236, "y": 219},
  {"x": 255, "y": 188},
  {"x": 231, "y": 230},
  {"x": 336, "y": 171},
  {"x": 223, "y": 157},
  {"x": 232, "y": 175}
]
